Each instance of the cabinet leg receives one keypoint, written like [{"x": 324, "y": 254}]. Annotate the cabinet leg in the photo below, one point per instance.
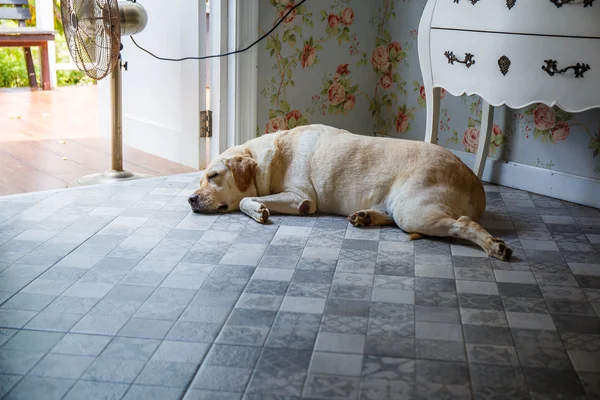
[
  {"x": 485, "y": 134},
  {"x": 432, "y": 98}
]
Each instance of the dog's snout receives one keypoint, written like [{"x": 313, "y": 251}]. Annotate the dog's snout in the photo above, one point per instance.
[{"x": 192, "y": 199}]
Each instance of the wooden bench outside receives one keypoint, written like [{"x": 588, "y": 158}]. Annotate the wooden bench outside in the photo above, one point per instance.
[{"x": 26, "y": 37}]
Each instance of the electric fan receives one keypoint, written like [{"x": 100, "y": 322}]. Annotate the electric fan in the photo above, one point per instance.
[{"x": 93, "y": 30}]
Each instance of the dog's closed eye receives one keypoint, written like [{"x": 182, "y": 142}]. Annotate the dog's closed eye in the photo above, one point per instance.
[{"x": 212, "y": 176}]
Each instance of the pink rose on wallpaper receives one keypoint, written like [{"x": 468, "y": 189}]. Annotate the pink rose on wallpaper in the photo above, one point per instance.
[
  {"x": 308, "y": 56},
  {"x": 401, "y": 122},
  {"x": 336, "y": 93},
  {"x": 347, "y": 16},
  {"x": 296, "y": 114},
  {"x": 333, "y": 20},
  {"x": 395, "y": 46},
  {"x": 350, "y": 102},
  {"x": 381, "y": 58},
  {"x": 386, "y": 80},
  {"x": 560, "y": 131},
  {"x": 290, "y": 18},
  {"x": 496, "y": 131},
  {"x": 342, "y": 69},
  {"x": 276, "y": 124},
  {"x": 470, "y": 139},
  {"x": 544, "y": 117}
]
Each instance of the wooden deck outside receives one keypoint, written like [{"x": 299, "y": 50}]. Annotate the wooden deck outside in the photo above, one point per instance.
[{"x": 50, "y": 138}]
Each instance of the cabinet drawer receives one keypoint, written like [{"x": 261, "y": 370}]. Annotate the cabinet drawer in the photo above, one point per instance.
[
  {"x": 525, "y": 81},
  {"x": 525, "y": 16}
]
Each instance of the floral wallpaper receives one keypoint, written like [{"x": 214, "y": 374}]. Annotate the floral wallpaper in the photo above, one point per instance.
[
  {"x": 353, "y": 64},
  {"x": 312, "y": 69}
]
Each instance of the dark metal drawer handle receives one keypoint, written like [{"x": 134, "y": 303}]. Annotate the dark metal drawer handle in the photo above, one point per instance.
[
  {"x": 578, "y": 68},
  {"x": 559, "y": 3},
  {"x": 468, "y": 61},
  {"x": 510, "y": 3}
]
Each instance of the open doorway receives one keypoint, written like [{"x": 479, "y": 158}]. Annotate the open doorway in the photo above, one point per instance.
[{"x": 49, "y": 138}]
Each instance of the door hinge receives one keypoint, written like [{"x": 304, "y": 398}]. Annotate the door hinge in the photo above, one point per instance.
[{"x": 205, "y": 123}]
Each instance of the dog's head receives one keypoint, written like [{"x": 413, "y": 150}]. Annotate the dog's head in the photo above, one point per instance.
[{"x": 225, "y": 182}]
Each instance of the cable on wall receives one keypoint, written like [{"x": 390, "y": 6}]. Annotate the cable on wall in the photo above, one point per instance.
[{"x": 224, "y": 54}]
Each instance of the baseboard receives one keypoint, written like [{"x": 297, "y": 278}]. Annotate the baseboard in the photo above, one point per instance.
[{"x": 537, "y": 180}]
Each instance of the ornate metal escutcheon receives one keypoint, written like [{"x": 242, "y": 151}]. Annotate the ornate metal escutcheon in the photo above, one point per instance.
[
  {"x": 559, "y": 3},
  {"x": 579, "y": 68},
  {"x": 504, "y": 64},
  {"x": 468, "y": 61},
  {"x": 510, "y": 4}
]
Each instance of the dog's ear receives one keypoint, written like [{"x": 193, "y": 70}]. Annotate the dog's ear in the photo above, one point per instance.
[{"x": 243, "y": 169}]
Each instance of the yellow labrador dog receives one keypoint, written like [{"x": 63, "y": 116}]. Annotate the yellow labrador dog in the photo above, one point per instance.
[{"x": 423, "y": 188}]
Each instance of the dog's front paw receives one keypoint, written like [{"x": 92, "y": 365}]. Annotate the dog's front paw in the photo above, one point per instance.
[
  {"x": 306, "y": 207},
  {"x": 263, "y": 214},
  {"x": 360, "y": 218},
  {"x": 255, "y": 210}
]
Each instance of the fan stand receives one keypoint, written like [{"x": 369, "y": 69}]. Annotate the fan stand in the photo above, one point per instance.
[{"x": 116, "y": 173}]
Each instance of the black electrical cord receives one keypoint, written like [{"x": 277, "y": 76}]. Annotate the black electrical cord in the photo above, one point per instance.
[{"x": 224, "y": 54}]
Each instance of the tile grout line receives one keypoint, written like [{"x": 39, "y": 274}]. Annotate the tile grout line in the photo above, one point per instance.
[
  {"x": 188, "y": 387},
  {"x": 263, "y": 347},
  {"x": 313, "y": 351},
  {"x": 172, "y": 327},
  {"x": 360, "y": 380},
  {"x": 462, "y": 329}
]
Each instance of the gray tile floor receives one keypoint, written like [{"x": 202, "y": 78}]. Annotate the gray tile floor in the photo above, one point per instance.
[{"x": 120, "y": 292}]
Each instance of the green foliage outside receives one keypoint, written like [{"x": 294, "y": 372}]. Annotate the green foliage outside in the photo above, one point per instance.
[{"x": 13, "y": 71}]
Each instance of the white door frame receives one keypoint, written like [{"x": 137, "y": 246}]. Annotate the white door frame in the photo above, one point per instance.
[
  {"x": 233, "y": 79},
  {"x": 218, "y": 76},
  {"x": 191, "y": 125}
]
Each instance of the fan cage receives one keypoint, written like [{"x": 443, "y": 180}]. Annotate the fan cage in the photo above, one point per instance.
[{"x": 92, "y": 32}]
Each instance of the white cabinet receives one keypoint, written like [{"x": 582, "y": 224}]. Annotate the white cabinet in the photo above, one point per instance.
[{"x": 510, "y": 52}]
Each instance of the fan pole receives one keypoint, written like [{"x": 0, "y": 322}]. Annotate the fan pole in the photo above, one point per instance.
[
  {"x": 116, "y": 173},
  {"x": 116, "y": 99}
]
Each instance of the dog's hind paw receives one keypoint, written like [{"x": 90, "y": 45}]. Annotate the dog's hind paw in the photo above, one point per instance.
[
  {"x": 360, "y": 218},
  {"x": 500, "y": 250},
  {"x": 415, "y": 236}
]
